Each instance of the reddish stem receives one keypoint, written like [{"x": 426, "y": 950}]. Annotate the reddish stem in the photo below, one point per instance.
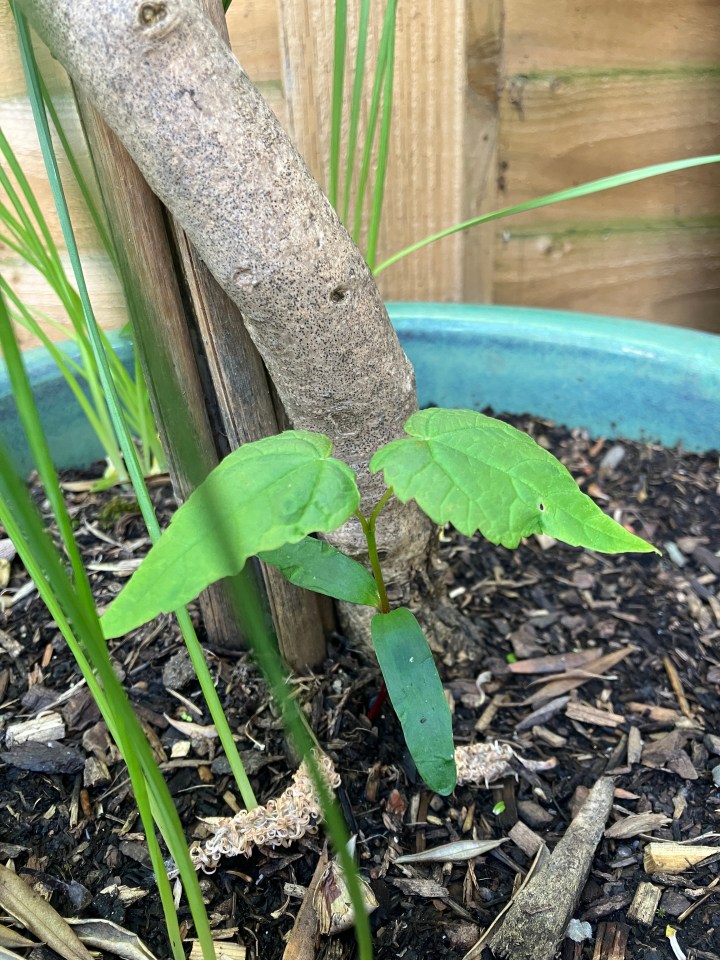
[{"x": 377, "y": 704}]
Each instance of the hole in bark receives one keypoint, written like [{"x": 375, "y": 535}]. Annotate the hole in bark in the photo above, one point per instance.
[
  {"x": 151, "y": 13},
  {"x": 338, "y": 293}
]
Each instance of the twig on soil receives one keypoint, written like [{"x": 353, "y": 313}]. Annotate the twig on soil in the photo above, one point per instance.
[
  {"x": 537, "y": 920},
  {"x": 302, "y": 941},
  {"x": 676, "y": 684}
]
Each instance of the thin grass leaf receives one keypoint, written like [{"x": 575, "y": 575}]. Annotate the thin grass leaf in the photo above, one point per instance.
[
  {"x": 339, "y": 44},
  {"x": 30, "y": 199},
  {"x": 74, "y": 603},
  {"x": 69, "y": 369},
  {"x": 375, "y": 101},
  {"x": 97, "y": 343},
  {"x": 296, "y": 725},
  {"x": 356, "y": 105},
  {"x": 573, "y": 193},
  {"x": 80, "y": 180},
  {"x": 387, "y": 40},
  {"x": 32, "y": 248},
  {"x": 40, "y": 250}
]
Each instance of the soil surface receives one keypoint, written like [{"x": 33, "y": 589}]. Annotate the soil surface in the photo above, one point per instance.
[{"x": 648, "y": 714}]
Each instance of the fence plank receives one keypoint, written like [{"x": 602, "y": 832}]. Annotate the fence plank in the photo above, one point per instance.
[
  {"x": 667, "y": 277},
  {"x": 254, "y": 26},
  {"x": 484, "y": 55},
  {"x": 425, "y": 188},
  {"x": 559, "y": 132},
  {"x": 612, "y": 34}
]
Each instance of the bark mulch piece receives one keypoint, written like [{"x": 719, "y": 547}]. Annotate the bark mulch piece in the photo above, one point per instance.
[{"x": 606, "y": 665}]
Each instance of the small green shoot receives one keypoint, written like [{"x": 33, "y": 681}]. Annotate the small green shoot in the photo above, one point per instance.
[
  {"x": 499, "y": 808},
  {"x": 460, "y": 466}
]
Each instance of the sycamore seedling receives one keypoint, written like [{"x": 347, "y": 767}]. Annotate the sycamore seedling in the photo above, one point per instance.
[{"x": 267, "y": 497}]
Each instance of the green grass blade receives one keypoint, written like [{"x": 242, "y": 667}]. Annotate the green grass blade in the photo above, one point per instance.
[
  {"x": 66, "y": 365},
  {"x": 356, "y": 105},
  {"x": 42, "y": 253},
  {"x": 271, "y": 665},
  {"x": 373, "y": 113},
  {"x": 29, "y": 196},
  {"x": 175, "y": 836},
  {"x": 336, "y": 110},
  {"x": 82, "y": 183},
  {"x": 573, "y": 193},
  {"x": 387, "y": 42}
]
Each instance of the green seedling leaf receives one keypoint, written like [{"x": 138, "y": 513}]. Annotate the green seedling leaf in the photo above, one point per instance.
[
  {"x": 315, "y": 565},
  {"x": 417, "y": 695},
  {"x": 481, "y": 474},
  {"x": 263, "y": 495}
]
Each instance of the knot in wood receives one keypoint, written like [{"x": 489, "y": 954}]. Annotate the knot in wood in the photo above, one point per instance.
[{"x": 152, "y": 13}]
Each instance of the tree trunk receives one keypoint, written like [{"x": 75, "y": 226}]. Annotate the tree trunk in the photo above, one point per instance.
[{"x": 213, "y": 151}]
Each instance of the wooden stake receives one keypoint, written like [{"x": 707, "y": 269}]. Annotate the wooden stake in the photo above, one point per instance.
[{"x": 197, "y": 416}]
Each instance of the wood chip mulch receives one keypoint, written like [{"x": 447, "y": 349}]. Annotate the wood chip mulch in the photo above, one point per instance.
[{"x": 603, "y": 665}]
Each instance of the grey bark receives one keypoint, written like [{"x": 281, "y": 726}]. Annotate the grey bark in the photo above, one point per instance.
[{"x": 213, "y": 151}]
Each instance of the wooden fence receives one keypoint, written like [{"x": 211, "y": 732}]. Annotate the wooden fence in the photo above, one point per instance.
[{"x": 497, "y": 101}]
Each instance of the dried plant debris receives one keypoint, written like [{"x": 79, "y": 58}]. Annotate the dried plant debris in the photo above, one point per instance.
[
  {"x": 108, "y": 936},
  {"x": 39, "y": 917},
  {"x": 484, "y": 763},
  {"x": 279, "y": 823},
  {"x": 332, "y": 902},
  {"x": 637, "y": 823},
  {"x": 676, "y": 857}
]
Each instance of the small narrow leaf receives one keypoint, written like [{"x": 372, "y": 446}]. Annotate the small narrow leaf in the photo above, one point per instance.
[
  {"x": 417, "y": 695},
  {"x": 316, "y": 565},
  {"x": 479, "y": 473},
  {"x": 263, "y": 495}
]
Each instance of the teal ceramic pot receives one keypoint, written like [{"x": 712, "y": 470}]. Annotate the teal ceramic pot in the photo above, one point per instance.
[
  {"x": 611, "y": 377},
  {"x": 614, "y": 378}
]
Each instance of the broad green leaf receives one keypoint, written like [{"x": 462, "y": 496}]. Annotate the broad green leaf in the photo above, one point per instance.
[
  {"x": 481, "y": 474},
  {"x": 263, "y": 495},
  {"x": 417, "y": 695},
  {"x": 315, "y": 565}
]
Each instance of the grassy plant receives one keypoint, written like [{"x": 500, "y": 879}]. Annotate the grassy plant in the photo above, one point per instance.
[
  {"x": 25, "y": 231},
  {"x": 71, "y": 603}
]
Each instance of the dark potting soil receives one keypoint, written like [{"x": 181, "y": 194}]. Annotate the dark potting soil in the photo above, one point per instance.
[{"x": 68, "y": 823}]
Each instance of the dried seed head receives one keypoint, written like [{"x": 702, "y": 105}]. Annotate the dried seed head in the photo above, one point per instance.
[
  {"x": 279, "y": 823},
  {"x": 482, "y": 763}
]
